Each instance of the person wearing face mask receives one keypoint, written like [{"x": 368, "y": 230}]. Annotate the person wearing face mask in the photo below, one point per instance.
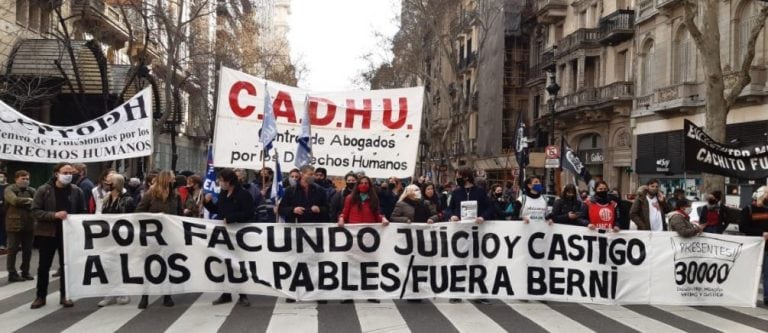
[
  {"x": 337, "y": 201},
  {"x": 235, "y": 205},
  {"x": 306, "y": 202},
  {"x": 98, "y": 194},
  {"x": 80, "y": 178},
  {"x": 388, "y": 196},
  {"x": 411, "y": 207},
  {"x": 432, "y": 198},
  {"x": 194, "y": 203},
  {"x": 531, "y": 206},
  {"x": 649, "y": 210},
  {"x": 294, "y": 176},
  {"x": 117, "y": 201},
  {"x": 754, "y": 222},
  {"x": 602, "y": 209},
  {"x": 19, "y": 225},
  {"x": 501, "y": 207},
  {"x": 160, "y": 198},
  {"x": 467, "y": 191},
  {"x": 568, "y": 209},
  {"x": 52, "y": 203},
  {"x": 714, "y": 216},
  {"x": 680, "y": 220}
]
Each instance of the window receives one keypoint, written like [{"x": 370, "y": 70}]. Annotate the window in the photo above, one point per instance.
[
  {"x": 45, "y": 19},
  {"x": 681, "y": 56},
  {"x": 646, "y": 70},
  {"x": 621, "y": 66},
  {"x": 746, "y": 18},
  {"x": 583, "y": 19},
  {"x": 34, "y": 16},
  {"x": 22, "y": 10}
]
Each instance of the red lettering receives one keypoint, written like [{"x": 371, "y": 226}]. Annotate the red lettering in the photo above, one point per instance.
[
  {"x": 234, "y": 96},
  {"x": 352, "y": 112},
  {"x": 283, "y": 107},
  {"x": 401, "y": 117},
  {"x": 330, "y": 112}
]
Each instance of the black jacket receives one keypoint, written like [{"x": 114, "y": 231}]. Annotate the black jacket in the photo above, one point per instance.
[
  {"x": 562, "y": 207},
  {"x": 235, "y": 208},
  {"x": 297, "y": 196},
  {"x": 337, "y": 203},
  {"x": 754, "y": 221},
  {"x": 484, "y": 208}
]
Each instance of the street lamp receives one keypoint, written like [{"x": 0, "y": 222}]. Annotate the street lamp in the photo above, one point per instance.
[{"x": 553, "y": 88}]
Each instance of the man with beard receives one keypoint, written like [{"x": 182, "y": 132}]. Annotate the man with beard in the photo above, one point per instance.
[{"x": 649, "y": 211}]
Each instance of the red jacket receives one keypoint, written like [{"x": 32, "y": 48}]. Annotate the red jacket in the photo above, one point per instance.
[{"x": 362, "y": 214}]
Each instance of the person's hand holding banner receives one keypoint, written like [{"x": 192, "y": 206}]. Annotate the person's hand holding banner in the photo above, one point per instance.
[
  {"x": 61, "y": 215},
  {"x": 298, "y": 210},
  {"x": 315, "y": 209}
]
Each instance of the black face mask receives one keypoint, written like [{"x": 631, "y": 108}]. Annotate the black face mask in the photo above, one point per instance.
[
  {"x": 75, "y": 178},
  {"x": 602, "y": 194},
  {"x": 351, "y": 186},
  {"x": 498, "y": 195},
  {"x": 461, "y": 182},
  {"x": 712, "y": 201},
  {"x": 570, "y": 196},
  {"x": 391, "y": 186}
]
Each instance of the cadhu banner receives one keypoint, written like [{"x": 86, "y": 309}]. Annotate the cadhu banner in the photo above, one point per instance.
[
  {"x": 136, "y": 254},
  {"x": 124, "y": 132},
  {"x": 377, "y": 131},
  {"x": 703, "y": 154}
]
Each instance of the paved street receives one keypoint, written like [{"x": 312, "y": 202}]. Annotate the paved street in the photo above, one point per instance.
[{"x": 194, "y": 313}]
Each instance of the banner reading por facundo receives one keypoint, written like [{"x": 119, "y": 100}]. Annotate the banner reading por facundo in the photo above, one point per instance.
[
  {"x": 124, "y": 132},
  {"x": 376, "y": 131},
  {"x": 137, "y": 254},
  {"x": 703, "y": 154}
]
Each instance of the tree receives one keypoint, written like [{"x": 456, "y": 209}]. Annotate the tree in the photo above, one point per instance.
[{"x": 720, "y": 95}]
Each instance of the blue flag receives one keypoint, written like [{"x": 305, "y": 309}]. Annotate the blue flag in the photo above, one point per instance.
[
  {"x": 209, "y": 186},
  {"x": 277, "y": 183},
  {"x": 304, "y": 148},
  {"x": 268, "y": 124}
]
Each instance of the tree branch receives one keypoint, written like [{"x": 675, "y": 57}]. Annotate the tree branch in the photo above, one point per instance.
[{"x": 742, "y": 77}]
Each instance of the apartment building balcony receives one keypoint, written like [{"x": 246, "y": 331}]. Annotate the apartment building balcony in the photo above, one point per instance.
[
  {"x": 584, "y": 38},
  {"x": 551, "y": 11},
  {"x": 605, "y": 96},
  {"x": 101, "y": 19},
  {"x": 617, "y": 27},
  {"x": 673, "y": 98},
  {"x": 548, "y": 59},
  {"x": 536, "y": 75},
  {"x": 663, "y": 4}
]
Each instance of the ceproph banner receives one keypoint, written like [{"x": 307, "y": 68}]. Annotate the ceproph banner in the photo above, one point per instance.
[
  {"x": 376, "y": 130},
  {"x": 124, "y": 132},
  {"x": 703, "y": 154},
  {"x": 159, "y": 254}
]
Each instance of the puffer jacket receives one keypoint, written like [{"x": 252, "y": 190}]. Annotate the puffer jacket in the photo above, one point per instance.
[
  {"x": 44, "y": 208},
  {"x": 18, "y": 213}
]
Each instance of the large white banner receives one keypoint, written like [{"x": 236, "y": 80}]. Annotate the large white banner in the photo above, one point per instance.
[
  {"x": 376, "y": 131},
  {"x": 159, "y": 254},
  {"x": 124, "y": 132}
]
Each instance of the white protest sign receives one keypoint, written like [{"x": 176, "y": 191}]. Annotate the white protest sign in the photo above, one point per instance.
[
  {"x": 160, "y": 254},
  {"x": 124, "y": 132},
  {"x": 377, "y": 131},
  {"x": 468, "y": 210}
]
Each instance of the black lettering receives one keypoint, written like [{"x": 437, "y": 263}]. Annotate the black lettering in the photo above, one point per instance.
[
  {"x": 315, "y": 243},
  {"x": 389, "y": 271},
  {"x": 531, "y": 250},
  {"x": 302, "y": 278},
  {"x": 188, "y": 233},
  {"x": 160, "y": 276},
  {"x": 346, "y": 244},
  {"x": 345, "y": 275},
  {"x": 220, "y": 236},
  {"x": 365, "y": 275},
  {"x": 144, "y": 233},
  {"x": 127, "y": 278},
  {"x": 209, "y": 271},
  {"x": 361, "y": 240},
  {"x": 408, "y": 242},
  {"x": 90, "y": 234},
  {"x": 328, "y": 270},
  {"x": 477, "y": 279},
  {"x": 272, "y": 246},
  {"x": 455, "y": 244},
  {"x": 240, "y": 239},
  {"x": 536, "y": 280},
  {"x": 94, "y": 269},
  {"x": 502, "y": 280},
  {"x": 556, "y": 278},
  {"x": 116, "y": 234},
  {"x": 173, "y": 265},
  {"x": 457, "y": 279},
  {"x": 281, "y": 271}
]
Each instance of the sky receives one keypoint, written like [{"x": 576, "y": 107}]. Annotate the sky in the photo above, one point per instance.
[{"x": 330, "y": 37}]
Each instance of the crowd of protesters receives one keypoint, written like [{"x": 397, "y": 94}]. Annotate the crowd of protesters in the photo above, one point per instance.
[{"x": 35, "y": 215}]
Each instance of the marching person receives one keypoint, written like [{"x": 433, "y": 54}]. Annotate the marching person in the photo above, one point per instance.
[
  {"x": 53, "y": 202},
  {"x": 568, "y": 209},
  {"x": 754, "y": 222},
  {"x": 412, "y": 207},
  {"x": 501, "y": 207},
  {"x": 467, "y": 191},
  {"x": 680, "y": 220},
  {"x": 602, "y": 209},
  {"x": 80, "y": 178},
  {"x": 532, "y": 206},
  {"x": 362, "y": 206},
  {"x": 160, "y": 198},
  {"x": 714, "y": 215},
  {"x": 432, "y": 198},
  {"x": 235, "y": 205},
  {"x": 337, "y": 201},
  {"x": 306, "y": 202},
  {"x": 19, "y": 225},
  {"x": 98, "y": 194},
  {"x": 194, "y": 204},
  {"x": 117, "y": 201},
  {"x": 649, "y": 210}
]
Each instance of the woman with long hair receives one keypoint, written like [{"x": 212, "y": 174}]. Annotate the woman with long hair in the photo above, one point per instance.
[
  {"x": 411, "y": 207},
  {"x": 160, "y": 198},
  {"x": 362, "y": 205},
  {"x": 116, "y": 201},
  {"x": 432, "y": 198}
]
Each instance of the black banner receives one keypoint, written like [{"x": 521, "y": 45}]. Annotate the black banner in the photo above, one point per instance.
[{"x": 703, "y": 154}]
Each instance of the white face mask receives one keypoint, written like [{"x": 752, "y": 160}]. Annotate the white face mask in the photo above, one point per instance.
[
  {"x": 417, "y": 195},
  {"x": 688, "y": 210},
  {"x": 65, "y": 179}
]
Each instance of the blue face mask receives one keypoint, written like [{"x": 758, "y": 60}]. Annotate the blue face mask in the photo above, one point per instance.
[{"x": 538, "y": 188}]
